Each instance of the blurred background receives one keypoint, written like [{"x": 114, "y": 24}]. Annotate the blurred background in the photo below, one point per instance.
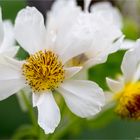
[{"x": 107, "y": 125}]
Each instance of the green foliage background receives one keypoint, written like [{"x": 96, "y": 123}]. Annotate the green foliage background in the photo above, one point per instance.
[{"x": 106, "y": 126}]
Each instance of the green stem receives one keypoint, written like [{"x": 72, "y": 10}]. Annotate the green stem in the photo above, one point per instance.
[{"x": 30, "y": 109}]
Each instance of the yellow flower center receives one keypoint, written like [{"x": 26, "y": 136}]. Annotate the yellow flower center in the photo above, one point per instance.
[
  {"x": 128, "y": 101},
  {"x": 43, "y": 71}
]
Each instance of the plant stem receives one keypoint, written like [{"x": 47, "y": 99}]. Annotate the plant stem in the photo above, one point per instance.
[{"x": 30, "y": 109}]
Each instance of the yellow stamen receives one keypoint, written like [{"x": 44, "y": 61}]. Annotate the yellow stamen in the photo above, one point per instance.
[
  {"x": 128, "y": 101},
  {"x": 43, "y": 71}
]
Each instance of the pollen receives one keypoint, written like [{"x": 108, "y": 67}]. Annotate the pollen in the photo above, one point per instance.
[
  {"x": 43, "y": 71},
  {"x": 128, "y": 101}
]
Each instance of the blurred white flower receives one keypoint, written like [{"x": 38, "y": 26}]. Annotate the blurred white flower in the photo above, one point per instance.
[
  {"x": 100, "y": 29},
  {"x": 127, "y": 88},
  {"x": 7, "y": 40},
  {"x": 45, "y": 70}
]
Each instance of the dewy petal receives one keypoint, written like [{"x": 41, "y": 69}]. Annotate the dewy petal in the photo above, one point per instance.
[
  {"x": 1, "y": 28},
  {"x": 130, "y": 62},
  {"x": 71, "y": 71},
  {"x": 84, "y": 98},
  {"x": 48, "y": 113},
  {"x": 30, "y": 29},
  {"x": 11, "y": 79},
  {"x": 115, "y": 86}
]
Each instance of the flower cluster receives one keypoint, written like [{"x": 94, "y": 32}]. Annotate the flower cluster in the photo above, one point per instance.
[{"x": 60, "y": 53}]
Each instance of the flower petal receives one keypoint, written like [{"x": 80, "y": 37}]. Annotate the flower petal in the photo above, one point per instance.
[
  {"x": 84, "y": 98},
  {"x": 130, "y": 62},
  {"x": 10, "y": 51},
  {"x": 98, "y": 56},
  {"x": 10, "y": 86},
  {"x": 108, "y": 97},
  {"x": 48, "y": 113},
  {"x": 115, "y": 86},
  {"x": 71, "y": 71},
  {"x": 59, "y": 21},
  {"x": 36, "y": 99},
  {"x": 127, "y": 44},
  {"x": 30, "y": 29},
  {"x": 10, "y": 68},
  {"x": 1, "y": 28},
  {"x": 9, "y": 39},
  {"x": 82, "y": 75},
  {"x": 11, "y": 79},
  {"x": 111, "y": 13}
]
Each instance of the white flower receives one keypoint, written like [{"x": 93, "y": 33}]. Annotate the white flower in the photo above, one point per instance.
[
  {"x": 103, "y": 25},
  {"x": 100, "y": 29},
  {"x": 45, "y": 71},
  {"x": 7, "y": 41},
  {"x": 127, "y": 88}
]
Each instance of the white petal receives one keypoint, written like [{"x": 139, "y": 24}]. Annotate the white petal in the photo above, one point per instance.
[
  {"x": 59, "y": 23},
  {"x": 11, "y": 79},
  {"x": 82, "y": 75},
  {"x": 108, "y": 97},
  {"x": 111, "y": 13},
  {"x": 71, "y": 71},
  {"x": 10, "y": 68},
  {"x": 98, "y": 56},
  {"x": 75, "y": 46},
  {"x": 10, "y": 86},
  {"x": 84, "y": 98},
  {"x": 30, "y": 30},
  {"x": 9, "y": 51},
  {"x": 1, "y": 28},
  {"x": 130, "y": 62},
  {"x": 79, "y": 37},
  {"x": 127, "y": 44},
  {"x": 48, "y": 113},
  {"x": 36, "y": 99},
  {"x": 115, "y": 86},
  {"x": 9, "y": 39},
  {"x": 137, "y": 74}
]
